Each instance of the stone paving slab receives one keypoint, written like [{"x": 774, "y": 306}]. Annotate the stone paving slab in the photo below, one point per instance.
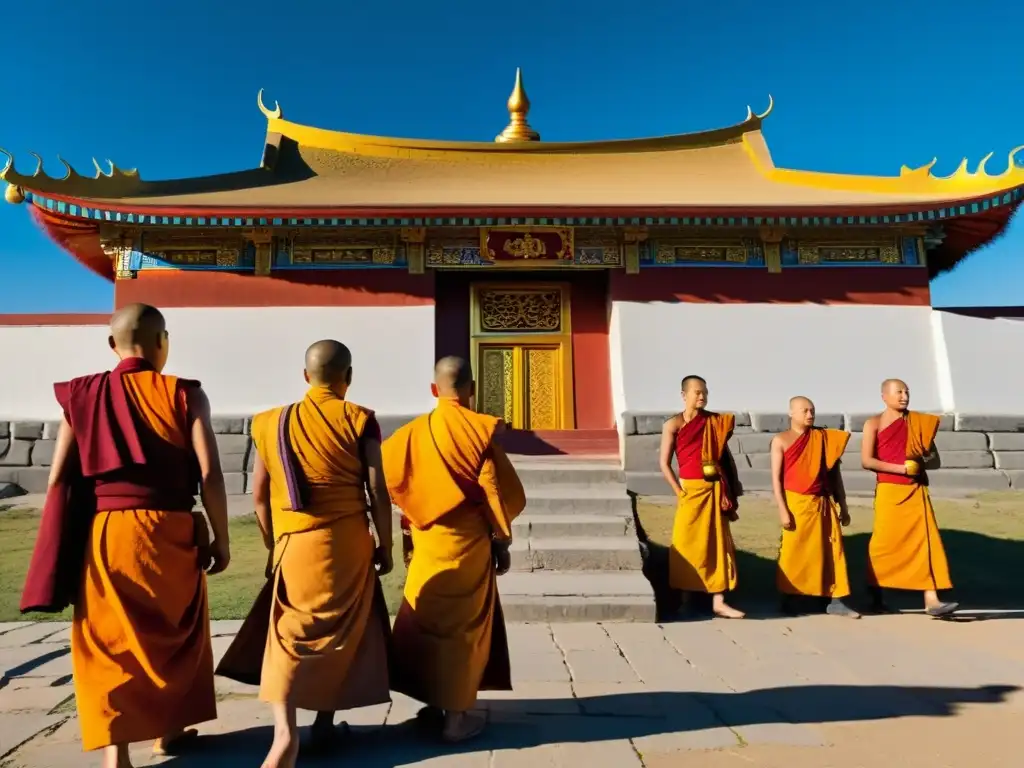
[{"x": 801, "y": 692}]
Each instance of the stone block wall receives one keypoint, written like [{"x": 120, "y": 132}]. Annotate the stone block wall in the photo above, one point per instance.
[
  {"x": 26, "y": 450},
  {"x": 973, "y": 452}
]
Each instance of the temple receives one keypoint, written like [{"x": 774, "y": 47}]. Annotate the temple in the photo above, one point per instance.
[{"x": 583, "y": 279}]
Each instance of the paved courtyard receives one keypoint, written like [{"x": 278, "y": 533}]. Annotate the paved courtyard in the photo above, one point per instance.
[{"x": 809, "y": 692}]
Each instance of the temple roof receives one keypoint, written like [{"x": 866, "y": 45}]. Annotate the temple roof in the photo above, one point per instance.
[{"x": 316, "y": 170}]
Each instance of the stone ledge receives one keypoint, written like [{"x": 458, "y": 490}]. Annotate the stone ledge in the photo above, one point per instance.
[{"x": 650, "y": 422}]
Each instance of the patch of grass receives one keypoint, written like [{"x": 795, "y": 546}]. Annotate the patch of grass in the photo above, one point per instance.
[
  {"x": 231, "y": 593},
  {"x": 983, "y": 537}
]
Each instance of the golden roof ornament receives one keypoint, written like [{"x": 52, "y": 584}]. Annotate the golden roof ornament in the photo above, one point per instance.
[
  {"x": 518, "y": 108},
  {"x": 14, "y": 194}
]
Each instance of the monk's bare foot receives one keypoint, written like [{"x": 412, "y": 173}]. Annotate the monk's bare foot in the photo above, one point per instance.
[
  {"x": 175, "y": 742},
  {"x": 839, "y": 608},
  {"x": 116, "y": 756},
  {"x": 723, "y": 610},
  {"x": 462, "y": 726},
  {"x": 284, "y": 751}
]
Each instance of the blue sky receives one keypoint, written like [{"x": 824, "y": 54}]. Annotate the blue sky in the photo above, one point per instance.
[{"x": 170, "y": 88}]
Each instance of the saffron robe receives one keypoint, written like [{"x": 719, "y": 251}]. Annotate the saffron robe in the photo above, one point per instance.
[
  {"x": 457, "y": 489},
  {"x": 905, "y": 550},
  {"x": 812, "y": 559},
  {"x": 703, "y": 557},
  {"x": 328, "y": 631},
  {"x": 140, "y": 639}
]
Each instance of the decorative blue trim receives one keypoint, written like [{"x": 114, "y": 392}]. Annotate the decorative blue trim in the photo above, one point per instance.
[
  {"x": 910, "y": 251},
  {"x": 754, "y": 256},
  {"x": 283, "y": 260},
  {"x": 98, "y": 214}
]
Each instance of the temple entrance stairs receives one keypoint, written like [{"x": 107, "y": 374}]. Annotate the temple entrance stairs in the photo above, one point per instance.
[{"x": 575, "y": 555}]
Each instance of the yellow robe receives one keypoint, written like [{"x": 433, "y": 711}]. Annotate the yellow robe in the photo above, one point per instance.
[
  {"x": 140, "y": 639},
  {"x": 812, "y": 559},
  {"x": 327, "y": 642},
  {"x": 703, "y": 556},
  {"x": 905, "y": 551},
  {"x": 457, "y": 489}
]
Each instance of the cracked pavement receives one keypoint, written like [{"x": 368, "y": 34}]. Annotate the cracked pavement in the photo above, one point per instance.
[{"x": 805, "y": 692}]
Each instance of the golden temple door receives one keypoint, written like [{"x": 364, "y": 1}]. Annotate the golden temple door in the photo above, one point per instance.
[{"x": 522, "y": 354}]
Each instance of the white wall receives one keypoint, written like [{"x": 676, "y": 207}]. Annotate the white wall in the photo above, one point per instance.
[
  {"x": 34, "y": 357},
  {"x": 756, "y": 356},
  {"x": 986, "y": 362},
  {"x": 248, "y": 359}
]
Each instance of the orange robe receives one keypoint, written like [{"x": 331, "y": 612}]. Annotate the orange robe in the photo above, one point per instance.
[
  {"x": 457, "y": 488},
  {"x": 703, "y": 557},
  {"x": 327, "y": 641},
  {"x": 905, "y": 551},
  {"x": 812, "y": 560},
  {"x": 140, "y": 638}
]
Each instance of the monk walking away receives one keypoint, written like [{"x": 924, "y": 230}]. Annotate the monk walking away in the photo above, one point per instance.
[
  {"x": 317, "y": 464},
  {"x": 140, "y": 638},
  {"x": 702, "y": 557},
  {"x": 809, "y": 491},
  {"x": 460, "y": 494},
  {"x": 905, "y": 551}
]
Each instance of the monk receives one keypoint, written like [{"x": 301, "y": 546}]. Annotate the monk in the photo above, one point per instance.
[
  {"x": 809, "y": 491},
  {"x": 905, "y": 550},
  {"x": 316, "y": 463},
  {"x": 460, "y": 494},
  {"x": 140, "y": 638},
  {"x": 702, "y": 557}
]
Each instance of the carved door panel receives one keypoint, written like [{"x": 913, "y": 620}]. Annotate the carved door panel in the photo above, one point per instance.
[
  {"x": 522, "y": 384},
  {"x": 522, "y": 354}
]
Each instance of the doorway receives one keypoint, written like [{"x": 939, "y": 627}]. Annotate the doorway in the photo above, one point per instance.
[{"x": 521, "y": 353}]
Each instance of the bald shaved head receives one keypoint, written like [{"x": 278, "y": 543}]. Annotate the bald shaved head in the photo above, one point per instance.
[
  {"x": 452, "y": 376},
  {"x": 328, "y": 363},
  {"x": 896, "y": 395},
  {"x": 139, "y": 330},
  {"x": 801, "y": 413}
]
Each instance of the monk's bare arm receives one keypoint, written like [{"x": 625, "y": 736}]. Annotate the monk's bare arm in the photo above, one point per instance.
[
  {"x": 380, "y": 499},
  {"x": 212, "y": 490},
  {"x": 668, "y": 444},
  {"x": 839, "y": 492},
  {"x": 64, "y": 451},
  {"x": 261, "y": 499},
  {"x": 867, "y": 451},
  {"x": 777, "y": 453}
]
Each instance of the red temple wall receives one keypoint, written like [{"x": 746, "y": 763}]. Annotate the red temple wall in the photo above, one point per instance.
[{"x": 343, "y": 288}]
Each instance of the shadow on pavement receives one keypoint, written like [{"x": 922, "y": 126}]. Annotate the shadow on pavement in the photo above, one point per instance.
[{"x": 521, "y": 724}]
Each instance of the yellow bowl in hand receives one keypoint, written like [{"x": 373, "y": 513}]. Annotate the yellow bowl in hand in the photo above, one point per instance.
[
  {"x": 710, "y": 470},
  {"x": 913, "y": 468}
]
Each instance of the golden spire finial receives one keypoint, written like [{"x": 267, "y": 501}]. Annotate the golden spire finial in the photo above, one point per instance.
[{"x": 518, "y": 108}]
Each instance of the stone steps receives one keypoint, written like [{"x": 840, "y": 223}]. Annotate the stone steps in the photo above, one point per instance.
[
  {"x": 548, "y": 526},
  {"x": 576, "y": 596},
  {"x": 578, "y": 498},
  {"x": 576, "y": 553},
  {"x": 560, "y": 470}
]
